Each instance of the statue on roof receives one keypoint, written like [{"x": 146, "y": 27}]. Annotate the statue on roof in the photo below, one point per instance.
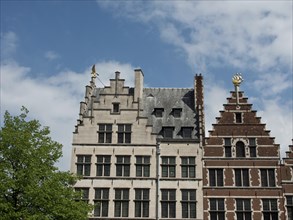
[
  {"x": 237, "y": 79},
  {"x": 94, "y": 73}
]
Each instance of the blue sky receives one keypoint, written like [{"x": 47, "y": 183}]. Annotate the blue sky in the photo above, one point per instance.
[{"x": 48, "y": 48}]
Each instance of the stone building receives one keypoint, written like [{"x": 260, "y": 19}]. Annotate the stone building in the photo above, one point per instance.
[
  {"x": 143, "y": 154},
  {"x": 139, "y": 150}
]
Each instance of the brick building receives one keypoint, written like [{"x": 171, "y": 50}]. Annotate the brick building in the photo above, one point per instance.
[{"x": 143, "y": 154}]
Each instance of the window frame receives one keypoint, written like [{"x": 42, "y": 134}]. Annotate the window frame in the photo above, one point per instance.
[
  {"x": 142, "y": 168},
  {"x": 168, "y": 132},
  {"x": 228, "y": 147},
  {"x": 168, "y": 203},
  {"x": 243, "y": 209},
  {"x": 121, "y": 203},
  {"x": 103, "y": 200},
  {"x": 188, "y": 203},
  {"x": 103, "y": 167},
  {"x": 216, "y": 177},
  {"x": 124, "y": 133},
  {"x": 268, "y": 177},
  {"x": 270, "y": 209},
  {"x": 168, "y": 166},
  {"x": 83, "y": 167},
  {"x": 217, "y": 208},
  {"x": 190, "y": 167},
  {"x": 123, "y": 165},
  {"x": 105, "y": 133},
  {"x": 141, "y": 202},
  {"x": 241, "y": 177}
]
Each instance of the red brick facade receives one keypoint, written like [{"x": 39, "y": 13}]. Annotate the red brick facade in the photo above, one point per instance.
[{"x": 242, "y": 174}]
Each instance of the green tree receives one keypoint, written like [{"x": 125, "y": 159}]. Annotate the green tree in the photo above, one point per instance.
[{"x": 31, "y": 186}]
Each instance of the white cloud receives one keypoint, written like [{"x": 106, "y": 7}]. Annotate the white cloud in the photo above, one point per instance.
[
  {"x": 51, "y": 55},
  {"x": 8, "y": 44},
  {"x": 53, "y": 100},
  {"x": 253, "y": 36}
]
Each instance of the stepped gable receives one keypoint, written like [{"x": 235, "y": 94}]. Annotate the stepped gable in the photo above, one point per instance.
[{"x": 239, "y": 121}]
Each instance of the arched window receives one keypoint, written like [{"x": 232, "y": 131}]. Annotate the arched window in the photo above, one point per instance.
[{"x": 240, "y": 149}]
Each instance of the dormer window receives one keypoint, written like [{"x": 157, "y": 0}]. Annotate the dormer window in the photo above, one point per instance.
[
  {"x": 116, "y": 107},
  {"x": 186, "y": 132},
  {"x": 238, "y": 117},
  {"x": 158, "y": 112},
  {"x": 177, "y": 112},
  {"x": 168, "y": 132}
]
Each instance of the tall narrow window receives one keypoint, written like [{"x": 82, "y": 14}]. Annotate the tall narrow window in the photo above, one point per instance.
[
  {"x": 216, "y": 177},
  {"x": 101, "y": 202},
  {"x": 168, "y": 132},
  {"x": 105, "y": 133},
  {"x": 240, "y": 149},
  {"x": 123, "y": 166},
  {"x": 141, "y": 202},
  {"x": 168, "y": 167},
  {"x": 267, "y": 177},
  {"x": 252, "y": 147},
  {"x": 188, "y": 167},
  {"x": 83, "y": 165},
  {"x": 186, "y": 132},
  {"x": 270, "y": 209},
  {"x": 103, "y": 165},
  {"x": 241, "y": 177},
  {"x": 227, "y": 146},
  {"x": 168, "y": 203},
  {"x": 238, "y": 117},
  {"x": 289, "y": 204},
  {"x": 188, "y": 203},
  {"x": 217, "y": 209},
  {"x": 84, "y": 193},
  {"x": 142, "y": 166},
  {"x": 243, "y": 209},
  {"x": 124, "y": 133},
  {"x": 116, "y": 107},
  {"x": 121, "y": 203}
]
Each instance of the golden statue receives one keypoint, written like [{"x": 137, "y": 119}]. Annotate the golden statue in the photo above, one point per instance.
[
  {"x": 237, "y": 79},
  {"x": 94, "y": 73}
]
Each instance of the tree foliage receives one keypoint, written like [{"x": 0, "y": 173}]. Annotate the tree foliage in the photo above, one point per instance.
[{"x": 31, "y": 187}]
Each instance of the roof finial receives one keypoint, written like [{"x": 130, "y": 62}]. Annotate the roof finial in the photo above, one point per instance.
[
  {"x": 94, "y": 73},
  {"x": 237, "y": 80}
]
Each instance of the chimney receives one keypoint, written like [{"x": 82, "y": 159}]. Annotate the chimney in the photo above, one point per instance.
[
  {"x": 199, "y": 105},
  {"x": 138, "y": 87}
]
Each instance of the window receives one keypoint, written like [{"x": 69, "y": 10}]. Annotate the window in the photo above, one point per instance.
[
  {"x": 121, "y": 202},
  {"x": 217, "y": 209},
  {"x": 83, "y": 165},
  {"x": 105, "y": 133},
  {"x": 123, "y": 165},
  {"x": 240, "y": 149},
  {"x": 124, "y": 133},
  {"x": 103, "y": 165},
  {"x": 188, "y": 167},
  {"x": 243, "y": 209},
  {"x": 116, "y": 108},
  {"x": 158, "y": 112},
  {"x": 238, "y": 117},
  {"x": 186, "y": 132},
  {"x": 168, "y": 132},
  {"x": 227, "y": 146},
  {"x": 267, "y": 177},
  {"x": 177, "y": 112},
  {"x": 142, "y": 166},
  {"x": 216, "y": 177},
  {"x": 252, "y": 147},
  {"x": 168, "y": 167},
  {"x": 241, "y": 177},
  {"x": 168, "y": 203},
  {"x": 141, "y": 202},
  {"x": 101, "y": 202},
  {"x": 289, "y": 205},
  {"x": 188, "y": 203},
  {"x": 270, "y": 209},
  {"x": 84, "y": 193}
]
